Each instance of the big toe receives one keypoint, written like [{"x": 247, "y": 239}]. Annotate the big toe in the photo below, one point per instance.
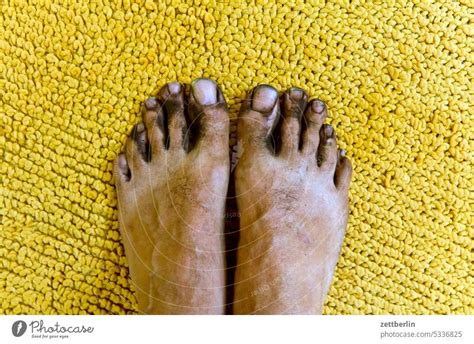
[
  {"x": 258, "y": 117},
  {"x": 208, "y": 115}
]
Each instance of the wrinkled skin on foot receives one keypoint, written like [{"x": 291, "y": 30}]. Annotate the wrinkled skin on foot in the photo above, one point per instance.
[
  {"x": 292, "y": 192},
  {"x": 171, "y": 185}
]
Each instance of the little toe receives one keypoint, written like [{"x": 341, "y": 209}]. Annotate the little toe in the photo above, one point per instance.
[
  {"x": 258, "y": 117},
  {"x": 154, "y": 118},
  {"x": 172, "y": 98},
  {"x": 327, "y": 151},
  {"x": 137, "y": 149},
  {"x": 342, "y": 177},
  {"x": 121, "y": 170},
  {"x": 208, "y": 114},
  {"x": 313, "y": 119},
  {"x": 293, "y": 104}
]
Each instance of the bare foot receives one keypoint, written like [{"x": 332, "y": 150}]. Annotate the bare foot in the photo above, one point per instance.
[
  {"x": 292, "y": 191},
  {"x": 171, "y": 186}
]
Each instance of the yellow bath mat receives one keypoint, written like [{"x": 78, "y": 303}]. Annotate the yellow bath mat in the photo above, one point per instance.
[{"x": 397, "y": 78}]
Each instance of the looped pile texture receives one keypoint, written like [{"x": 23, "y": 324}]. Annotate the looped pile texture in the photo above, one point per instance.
[{"x": 396, "y": 76}]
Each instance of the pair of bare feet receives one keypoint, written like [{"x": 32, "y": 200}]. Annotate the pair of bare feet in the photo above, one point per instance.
[{"x": 291, "y": 187}]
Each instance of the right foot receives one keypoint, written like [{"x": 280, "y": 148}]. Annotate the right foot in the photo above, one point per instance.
[
  {"x": 292, "y": 197},
  {"x": 171, "y": 189}
]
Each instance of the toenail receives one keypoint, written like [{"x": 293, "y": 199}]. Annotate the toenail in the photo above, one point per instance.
[
  {"x": 329, "y": 131},
  {"x": 151, "y": 103},
  {"x": 122, "y": 162},
  {"x": 138, "y": 129},
  {"x": 264, "y": 98},
  {"x": 318, "y": 106},
  {"x": 174, "y": 88},
  {"x": 204, "y": 91},
  {"x": 296, "y": 93},
  {"x": 343, "y": 153}
]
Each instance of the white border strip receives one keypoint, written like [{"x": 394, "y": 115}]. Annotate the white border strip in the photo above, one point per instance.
[{"x": 237, "y": 329}]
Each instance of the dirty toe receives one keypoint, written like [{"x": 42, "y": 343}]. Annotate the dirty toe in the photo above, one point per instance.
[
  {"x": 294, "y": 103},
  {"x": 327, "y": 151},
  {"x": 121, "y": 169},
  {"x": 258, "y": 118},
  {"x": 154, "y": 119},
  {"x": 313, "y": 119},
  {"x": 137, "y": 148},
  {"x": 208, "y": 116},
  {"x": 342, "y": 177},
  {"x": 172, "y": 97}
]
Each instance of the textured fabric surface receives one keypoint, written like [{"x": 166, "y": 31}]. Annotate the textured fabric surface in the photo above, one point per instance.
[{"x": 397, "y": 78}]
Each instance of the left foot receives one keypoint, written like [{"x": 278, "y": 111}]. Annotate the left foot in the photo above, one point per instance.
[
  {"x": 171, "y": 189},
  {"x": 292, "y": 201}
]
